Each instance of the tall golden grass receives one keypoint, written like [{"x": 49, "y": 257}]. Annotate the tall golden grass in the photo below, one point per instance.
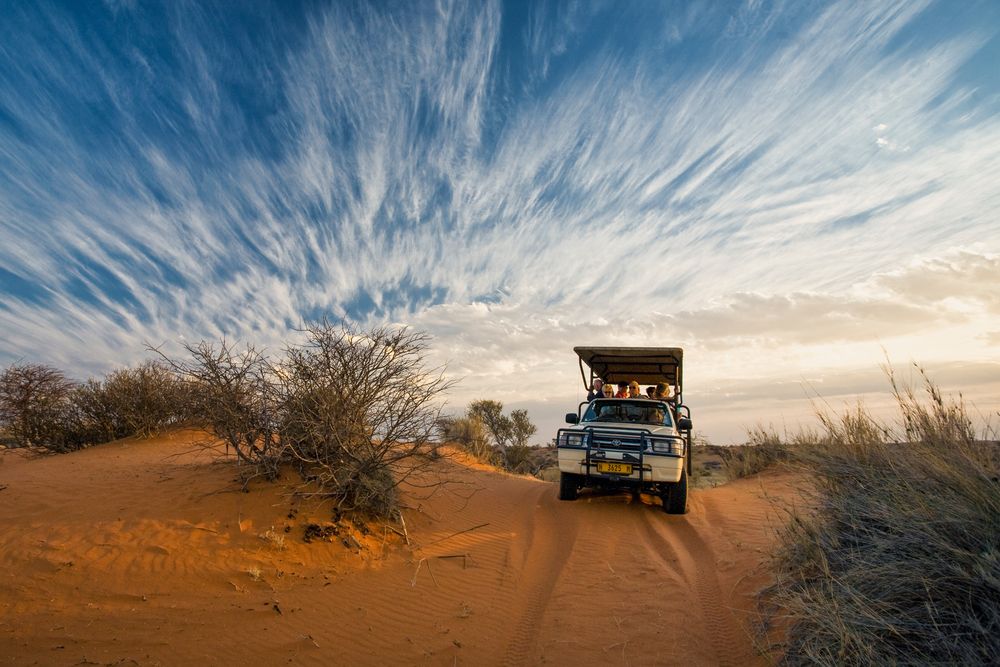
[{"x": 897, "y": 559}]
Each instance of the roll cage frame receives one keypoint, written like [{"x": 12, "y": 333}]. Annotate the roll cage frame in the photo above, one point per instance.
[{"x": 646, "y": 365}]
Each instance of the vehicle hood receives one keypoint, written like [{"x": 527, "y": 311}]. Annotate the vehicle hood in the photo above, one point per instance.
[{"x": 617, "y": 426}]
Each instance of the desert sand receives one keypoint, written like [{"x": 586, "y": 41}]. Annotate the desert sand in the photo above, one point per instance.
[{"x": 147, "y": 552}]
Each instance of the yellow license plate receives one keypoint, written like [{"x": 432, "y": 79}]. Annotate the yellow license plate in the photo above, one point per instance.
[{"x": 615, "y": 468}]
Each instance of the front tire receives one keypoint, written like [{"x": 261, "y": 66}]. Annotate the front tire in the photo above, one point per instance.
[
  {"x": 676, "y": 496},
  {"x": 567, "y": 486}
]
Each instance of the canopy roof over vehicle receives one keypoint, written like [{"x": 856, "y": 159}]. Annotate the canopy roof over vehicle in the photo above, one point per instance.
[{"x": 646, "y": 365}]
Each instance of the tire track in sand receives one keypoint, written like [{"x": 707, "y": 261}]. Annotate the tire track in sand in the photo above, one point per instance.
[
  {"x": 697, "y": 561},
  {"x": 552, "y": 535}
]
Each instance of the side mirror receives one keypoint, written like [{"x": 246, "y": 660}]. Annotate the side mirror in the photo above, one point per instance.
[
  {"x": 684, "y": 424},
  {"x": 572, "y": 418}
]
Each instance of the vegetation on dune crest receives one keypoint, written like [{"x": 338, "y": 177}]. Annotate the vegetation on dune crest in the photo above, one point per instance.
[
  {"x": 354, "y": 411},
  {"x": 41, "y": 409},
  {"x": 36, "y": 408},
  {"x": 495, "y": 438},
  {"x": 763, "y": 449},
  {"x": 898, "y": 561}
]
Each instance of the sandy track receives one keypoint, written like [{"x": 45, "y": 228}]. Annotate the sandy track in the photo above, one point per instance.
[
  {"x": 552, "y": 539},
  {"x": 147, "y": 553}
]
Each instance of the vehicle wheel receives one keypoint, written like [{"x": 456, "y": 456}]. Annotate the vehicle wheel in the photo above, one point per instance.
[
  {"x": 567, "y": 486},
  {"x": 675, "y": 498}
]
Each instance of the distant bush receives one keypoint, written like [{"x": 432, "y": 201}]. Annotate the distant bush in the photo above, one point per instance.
[
  {"x": 36, "y": 408},
  {"x": 471, "y": 435},
  {"x": 528, "y": 460},
  {"x": 899, "y": 561},
  {"x": 495, "y": 438},
  {"x": 138, "y": 401},
  {"x": 41, "y": 409},
  {"x": 353, "y": 410},
  {"x": 764, "y": 449},
  {"x": 510, "y": 434},
  {"x": 505, "y": 430}
]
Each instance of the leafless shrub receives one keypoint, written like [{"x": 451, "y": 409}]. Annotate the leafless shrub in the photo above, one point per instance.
[
  {"x": 96, "y": 414},
  {"x": 899, "y": 563},
  {"x": 237, "y": 394},
  {"x": 36, "y": 408},
  {"x": 137, "y": 401},
  {"x": 359, "y": 410},
  {"x": 355, "y": 411}
]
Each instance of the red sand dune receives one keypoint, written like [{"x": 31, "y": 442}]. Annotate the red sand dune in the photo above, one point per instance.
[{"x": 147, "y": 552}]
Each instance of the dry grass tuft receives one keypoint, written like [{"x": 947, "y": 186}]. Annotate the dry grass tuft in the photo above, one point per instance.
[
  {"x": 274, "y": 538},
  {"x": 899, "y": 561},
  {"x": 764, "y": 449}
]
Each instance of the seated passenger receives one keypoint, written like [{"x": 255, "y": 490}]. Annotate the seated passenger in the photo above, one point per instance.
[
  {"x": 622, "y": 390},
  {"x": 608, "y": 391},
  {"x": 663, "y": 393},
  {"x": 651, "y": 391},
  {"x": 597, "y": 391},
  {"x": 634, "y": 391}
]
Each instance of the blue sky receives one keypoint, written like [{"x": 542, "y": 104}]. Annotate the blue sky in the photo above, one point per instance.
[{"x": 790, "y": 190}]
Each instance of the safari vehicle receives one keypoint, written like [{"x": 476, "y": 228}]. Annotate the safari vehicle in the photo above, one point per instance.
[{"x": 639, "y": 444}]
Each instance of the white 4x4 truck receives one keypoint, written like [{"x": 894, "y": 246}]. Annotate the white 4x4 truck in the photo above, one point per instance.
[{"x": 640, "y": 444}]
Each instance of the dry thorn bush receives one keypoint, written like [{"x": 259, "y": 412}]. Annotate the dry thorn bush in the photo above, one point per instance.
[
  {"x": 36, "y": 408},
  {"x": 43, "y": 410},
  {"x": 354, "y": 411},
  {"x": 136, "y": 401}
]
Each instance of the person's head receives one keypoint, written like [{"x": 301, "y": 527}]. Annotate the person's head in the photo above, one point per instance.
[
  {"x": 662, "y": 390},
  {"x": 623, "y": 388},
  {"x": 633, "y": 389},
  {"x": 651, "y": 391},
  {"x": 608, "y": 390},
  {"x": 598, "y": 384}
]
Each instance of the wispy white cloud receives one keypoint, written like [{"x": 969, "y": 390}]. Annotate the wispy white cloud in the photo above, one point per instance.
[{"x": 417, "y": 165}]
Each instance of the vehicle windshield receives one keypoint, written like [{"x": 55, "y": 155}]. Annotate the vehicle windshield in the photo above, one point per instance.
[{"x": 625, "y": 411}]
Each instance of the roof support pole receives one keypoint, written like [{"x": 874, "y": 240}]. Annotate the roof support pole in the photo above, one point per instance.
[{"x": 583, "y": 376}]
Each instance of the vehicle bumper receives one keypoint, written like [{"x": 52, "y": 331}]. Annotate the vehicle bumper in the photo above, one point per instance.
[{"x": 654, "y": 467}]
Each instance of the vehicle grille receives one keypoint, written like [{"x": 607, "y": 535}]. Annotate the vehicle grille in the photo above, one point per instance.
[{"x": 601, "y": 439}]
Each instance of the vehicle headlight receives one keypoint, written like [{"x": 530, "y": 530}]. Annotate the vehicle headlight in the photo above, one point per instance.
[
  {"x": 572, "y": 439},
  {"x": 667, "y": 446}
]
